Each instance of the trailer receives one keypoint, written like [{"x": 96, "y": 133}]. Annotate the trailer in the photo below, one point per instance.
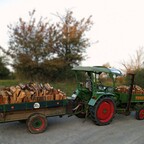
[
  {"x": 92, "y": 99},
  {"x": 34, "y": 113}
]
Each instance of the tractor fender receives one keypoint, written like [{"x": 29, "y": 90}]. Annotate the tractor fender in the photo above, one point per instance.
[{"x": 93, "y": 100}]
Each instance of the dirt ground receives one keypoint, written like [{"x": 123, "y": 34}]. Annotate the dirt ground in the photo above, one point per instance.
[{"x": 72, "y": 130}]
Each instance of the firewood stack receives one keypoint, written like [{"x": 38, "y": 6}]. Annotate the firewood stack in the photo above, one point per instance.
[
  {"x": 31, "y": 92},
  {"x": 125, "y": 89}
]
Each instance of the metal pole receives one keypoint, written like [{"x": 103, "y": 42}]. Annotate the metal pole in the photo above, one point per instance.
[{"x": 130, "y": 93}]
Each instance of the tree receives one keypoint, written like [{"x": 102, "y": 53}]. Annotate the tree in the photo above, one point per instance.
[
  {"x": 136, "y": 61},
  {"x": 30, "y": 46},
  {"x": 107, "y": 65},
  {"x": 72, "y": 40},
  {"x": 4, "y": 71},
  {"x": 139, "y": 77},
  {"x": 136, "y": 65},
  {"x": 72, "y": 43},
  {"x": 42, "y": 50}
]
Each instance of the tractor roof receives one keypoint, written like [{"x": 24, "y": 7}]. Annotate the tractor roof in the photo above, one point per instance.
[{"x": 98, "y": 69}]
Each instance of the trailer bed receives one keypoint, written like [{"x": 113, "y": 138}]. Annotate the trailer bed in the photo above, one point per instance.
[{"x": 21, "y": 111}]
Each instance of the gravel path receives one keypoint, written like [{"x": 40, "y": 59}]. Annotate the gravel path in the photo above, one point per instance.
[{"x": 72, "y": 130}]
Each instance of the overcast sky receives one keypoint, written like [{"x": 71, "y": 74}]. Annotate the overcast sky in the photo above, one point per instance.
[{"x": 118, "y": 29}]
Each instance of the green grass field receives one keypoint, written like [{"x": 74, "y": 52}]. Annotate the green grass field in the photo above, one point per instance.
[{"x": 67, "y": 87}]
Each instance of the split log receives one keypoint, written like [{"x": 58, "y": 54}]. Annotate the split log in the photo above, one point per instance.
[
  {"x": 31, "y": 92},
  {"x": 125, "y": 89}
]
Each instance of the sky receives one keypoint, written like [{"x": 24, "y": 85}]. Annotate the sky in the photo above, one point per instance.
[{"x": 117, "y": 32}]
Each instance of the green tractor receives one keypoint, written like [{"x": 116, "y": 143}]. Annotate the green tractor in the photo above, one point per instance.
[{"x": 97, "y": 95}]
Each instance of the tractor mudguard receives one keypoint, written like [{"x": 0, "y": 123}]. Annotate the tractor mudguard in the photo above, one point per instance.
[{"x": 93, "y": 100}]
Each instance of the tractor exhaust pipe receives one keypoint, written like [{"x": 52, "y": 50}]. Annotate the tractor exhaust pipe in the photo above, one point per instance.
[{"x": 130, "y": 93}]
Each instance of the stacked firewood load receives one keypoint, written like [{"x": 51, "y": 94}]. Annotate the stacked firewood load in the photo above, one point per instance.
[
  {"x": 125, "y": 89},
  {"x": 31, "y": 92}
]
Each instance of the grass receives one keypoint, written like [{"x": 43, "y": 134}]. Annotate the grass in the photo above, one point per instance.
[
  {"x": 66, "y": 86},
  {"x": 7, "y": 83}
]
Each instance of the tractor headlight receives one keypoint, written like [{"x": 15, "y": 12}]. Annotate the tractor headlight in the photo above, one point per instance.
[{"x": 74, "y": 96}]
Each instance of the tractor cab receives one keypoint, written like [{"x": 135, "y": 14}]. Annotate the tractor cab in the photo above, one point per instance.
[{"x": 96, "y": 79}]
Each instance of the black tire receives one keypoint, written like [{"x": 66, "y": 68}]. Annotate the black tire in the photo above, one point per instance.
[
  {"x": 140, "y": 114},
  {"x": 80, "y": 111},
  {"x": 81, "y": 115},
  {"x": 37, "y": 123},
  {"x": 104, "y": 111}
]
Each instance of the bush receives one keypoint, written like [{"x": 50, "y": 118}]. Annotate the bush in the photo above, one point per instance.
[{"x": 139, "y": 78}]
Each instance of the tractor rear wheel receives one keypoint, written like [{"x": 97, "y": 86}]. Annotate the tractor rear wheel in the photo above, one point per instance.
[
  {"x": 103, "y": 112},
  {"x": 37, "y": 123},
  {"x": 140, "y": 114}
]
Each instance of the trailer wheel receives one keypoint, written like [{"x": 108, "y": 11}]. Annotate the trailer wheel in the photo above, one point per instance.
[
  {"x": 140, "y": 114},
  {"x": 104, "y": 111},
  {"x": 37, "y": 123}
]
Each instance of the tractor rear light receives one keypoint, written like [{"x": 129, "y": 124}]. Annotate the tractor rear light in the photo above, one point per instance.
[{"x": 94, "y": 97}]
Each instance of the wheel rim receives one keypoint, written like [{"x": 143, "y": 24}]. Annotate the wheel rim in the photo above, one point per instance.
[
  {"x": 38, "y": 124},
  {"x": 105, "y": 111},
  {"x": 141, "y": 114}
]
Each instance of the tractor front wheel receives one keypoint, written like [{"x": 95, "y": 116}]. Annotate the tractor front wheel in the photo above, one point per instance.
[
  {"x": 80, "y": 113},
  {"x": 37, "y": 123},
  {"x": 140, "y": 114},
  {"x": 79, "y": 108},
  {"x": 104, "y": 111}
]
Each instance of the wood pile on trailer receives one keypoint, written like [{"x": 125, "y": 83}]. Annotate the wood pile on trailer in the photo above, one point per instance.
[
  {"x": 31, "y": 92},
  {"x": 125, "y": 89}
]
